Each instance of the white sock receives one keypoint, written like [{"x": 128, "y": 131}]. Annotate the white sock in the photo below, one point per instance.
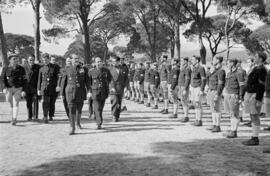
[
  {"x": 175, "y": 108},
  {"x": 218, "y": 119},
  {"x": 15, "y": 112},
  {"x": 165, "y": 104},
  {"x": 234, "y": 124},
  {"x": 214, "y": 116}
]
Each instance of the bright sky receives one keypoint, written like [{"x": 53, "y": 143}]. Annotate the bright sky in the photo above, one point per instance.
[{"x": 21, "y": 21}]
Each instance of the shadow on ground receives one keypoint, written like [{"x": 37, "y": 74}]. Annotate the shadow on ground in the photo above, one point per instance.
[{"x": 203, "y": 157}]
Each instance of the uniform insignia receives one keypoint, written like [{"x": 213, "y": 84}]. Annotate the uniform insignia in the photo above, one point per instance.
[
  {"x": 174, "y": 76},
  {"x": 156, "y": 77},
  {"x": 69, "y": 78},
  {"x": 48, "y": 79},
  {"x": 142, "y": 74},
  {"x": 78, "y": 85}
]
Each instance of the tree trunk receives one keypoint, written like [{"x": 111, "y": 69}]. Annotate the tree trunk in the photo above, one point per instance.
[
  {"x": 202, "y": 50},
  {"x": 172, "y": 46},
  {"x": 37, "y": 30},
  {"x": 87, "y": 50},
  {"x": 3, "y": 49},
  {"x": 177, "y": 39},
  {"x": 105, "y": 53},
  {"x": 226, "y": 34},
  {"x": 154, "y": 38}
]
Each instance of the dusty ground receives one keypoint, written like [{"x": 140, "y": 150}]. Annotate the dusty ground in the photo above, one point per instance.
[{"x": 143, "y": 143}]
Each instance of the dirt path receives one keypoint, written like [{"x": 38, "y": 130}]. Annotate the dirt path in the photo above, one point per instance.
[{"x": 142, "y": 143}]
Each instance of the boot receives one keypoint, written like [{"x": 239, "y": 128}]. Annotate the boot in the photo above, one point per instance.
[
  {"x": 148, "y": 105},
  {"x": 98, "y": 127},
  {"x": 251, "y": 142},
  {"x": 155, "y": 107},
  {"x": 197, "y": 123},
  {"x": 173, "y": 116},
  {"x": 231, "y": 134},
  {"x": 72, "y": 124},
  {"x": 165, "y": 111},
  {"x": 14, "y": 115},
  {"x": 184, "y": 120},
  {"x": 216, "y": 129},
  {"x": 78, "y": 119}
]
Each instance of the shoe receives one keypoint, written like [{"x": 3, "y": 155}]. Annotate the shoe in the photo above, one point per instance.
[
  {"x": 216, "y": 129},
  {"x": 173, "y": 116},
  {"x": 162, "y": 111},
  {"x": 115, "y": 119},
  {"x": 45, "y": 120},
  {"x": 35, "y": 120},
  {"x": 155, "y": 107},
  {"x": 267, "y": 128},
  {"x": 184, "y": 120},
  {"x": 211, "y": 127},
  {"x": 248, "y": 124},
  {"x": 29, "y": 119},
  {"x": 165, "y": 111},
  {"x": 79, "y": 126},
  {"x": 128, "y": 98},
  {"x": 141, "y": 102},
  {"x": 241, "y": 119},
  {"x": 197, "y": 123},
  {"x": 50, "y": 119},
  {"x": 13, "y": 122},
  {"x": 251, "y": 142},
  {"x": 231, "y": 134},
  {"x": 72, "y": 132},
  {"x": 266, "y": 150},
  {"x": 137, "y": 100},
  {"x": 124, "y": 109},
  {"x": 148, "y": 105},
  {"x": 99, "y": 127},
  {"x": 90, "y": 116},
  {"x": 191, "y": 107}
]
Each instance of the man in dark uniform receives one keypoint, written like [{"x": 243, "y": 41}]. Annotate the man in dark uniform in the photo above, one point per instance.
[
  {"x": 100, "y": 78},
  {"x": 254, "y": 96},
  {"x": 154, "y": 83},
  {"x": 131, "y": 72},
  {"x": 47, "y": 83},
  {"x": 126, "y": 70},
  {"x": 217, "y": 78},
  {"x": 31, "y": 90},
  {"x": 117, "y": 86},
  {"x": 174, "y": 75},
  {"x": 75, "y": 85},
  {"x": 140, "y": 84},
  {"x": 62, "y": 73},
  {"x": 52, "y": 107},
  {"x": 183, "y": 85}
]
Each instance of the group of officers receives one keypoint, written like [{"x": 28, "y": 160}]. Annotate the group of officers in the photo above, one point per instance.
[{"x": 182, "y": 80}]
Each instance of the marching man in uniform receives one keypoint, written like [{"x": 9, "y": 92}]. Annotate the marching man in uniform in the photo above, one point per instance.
[
  {"x": 154, "y": 83},
  {"x": 100, "y": 79},
  {"x": 14, "y": 80},
  {"x": 75, "y": 85}
]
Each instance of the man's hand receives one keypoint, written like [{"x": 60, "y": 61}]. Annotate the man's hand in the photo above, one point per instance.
[
  {"x": 39, "y": 92},
  {"x": 89, "y": 95},
  {"x": 57, "y": 89},
  {"x": 23, "y": 94}
]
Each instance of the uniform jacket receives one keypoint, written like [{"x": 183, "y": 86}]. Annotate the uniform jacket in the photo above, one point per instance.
[
  {"x": 169, "y": 71},
  {"x": 119, "y": 79},
  {"x": 198, "y": 77},
  {"x": 256, "y": 82},
  {"x": 131, "y": 75},
  {"x": 235, "y": 83},
  {"x": 32, "y": 78},
  {"x": 47, "y": 79},
  {"x": 147, "y": 75},
  {"x": 75, "y": 84},
  {"x": 267, "y": 85},
  {"x": 184, "y": 77},
  {"x": 163, "y": 73},
  {"x": 14, "y": 77},
  {"x": 217, "y": 80},
  {"x": 154, "y": 78},
  {"x": 141, "y": 73},
  {"x": 99, "y": 79},
  {"x": 174, "y": 77}
]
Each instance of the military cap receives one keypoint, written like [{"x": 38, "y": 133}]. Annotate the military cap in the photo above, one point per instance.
[
  {"x": 234, "y": 60},
  {"x": 12, "y": 56},
  {"x": 46, "y": 55}
]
